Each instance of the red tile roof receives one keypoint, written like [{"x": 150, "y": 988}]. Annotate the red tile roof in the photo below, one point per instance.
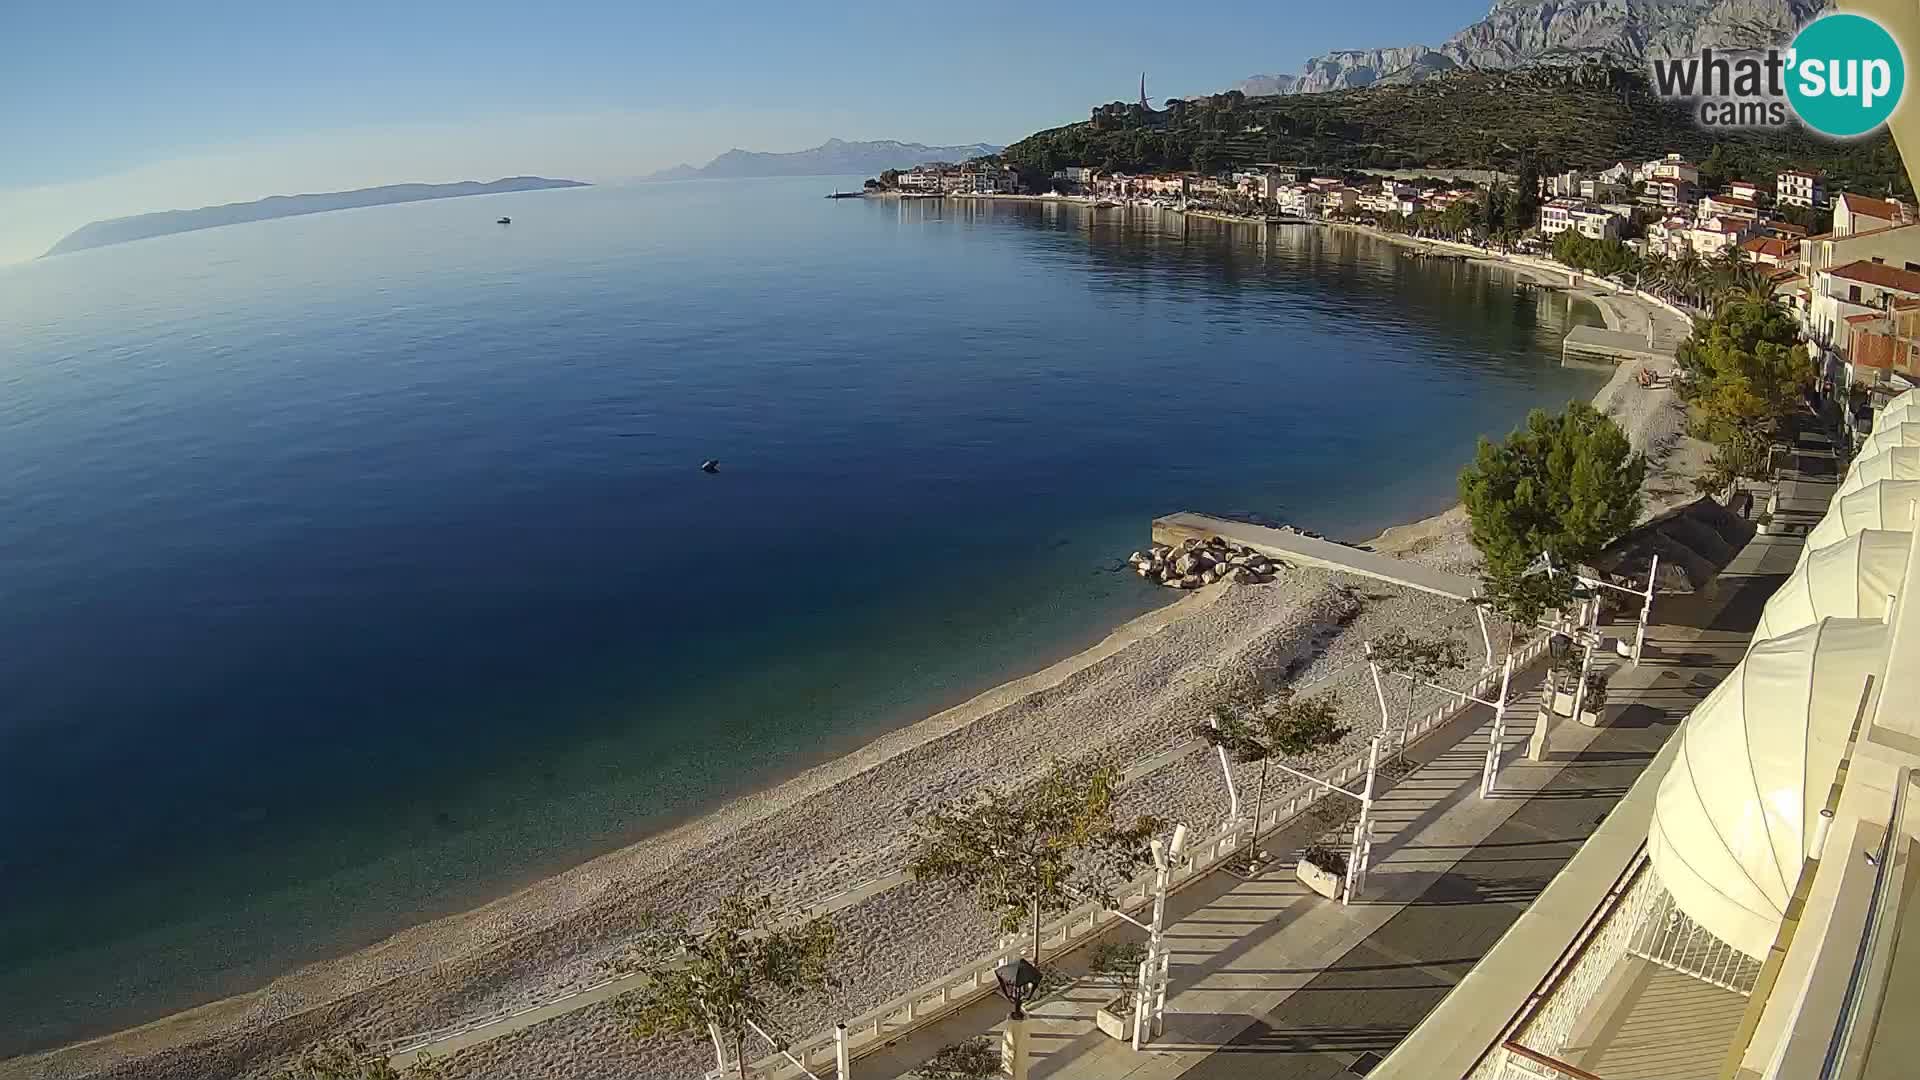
[
  {"x": 1882, "y": 209},
  {"x": 1880, "y": 275},
  {"x": 1767, "y": 245}
]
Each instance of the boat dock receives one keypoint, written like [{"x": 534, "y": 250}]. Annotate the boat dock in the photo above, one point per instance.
[
  {"x": 1292, "y": 547},
  {"x": 1591, "y": 343}
]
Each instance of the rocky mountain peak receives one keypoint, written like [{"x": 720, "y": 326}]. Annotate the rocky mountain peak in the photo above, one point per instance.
[{"x": 1520, "y": 32}]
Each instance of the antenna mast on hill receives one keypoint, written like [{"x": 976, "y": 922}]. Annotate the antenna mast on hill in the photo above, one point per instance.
[{"x": 1143, "y": 92}]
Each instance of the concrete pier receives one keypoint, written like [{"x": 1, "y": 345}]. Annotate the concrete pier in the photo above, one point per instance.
[
  {"x": 1306, "y": 551},
  {"x": 1591, "y": 343}
]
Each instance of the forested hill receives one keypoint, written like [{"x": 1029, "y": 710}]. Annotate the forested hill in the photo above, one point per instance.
[{"x": 1566, "y": 117}]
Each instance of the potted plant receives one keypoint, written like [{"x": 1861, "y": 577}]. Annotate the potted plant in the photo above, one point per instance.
[
  {"x": 1118, "y": 964},
  {"x": 975, "y": 1059},
  {"x": 1563, "y": 675},
  {"x": 1594, "y": 701},
  {"x": 1323, "y": 868}
]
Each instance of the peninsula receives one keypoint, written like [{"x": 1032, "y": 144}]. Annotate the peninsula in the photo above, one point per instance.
[{"x": 167, "y": 222}]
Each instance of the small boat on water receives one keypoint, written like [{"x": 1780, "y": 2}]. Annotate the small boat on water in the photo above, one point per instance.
[
  {"x": 504, "y": 221},
  {"x": 1105, "y": 204}
]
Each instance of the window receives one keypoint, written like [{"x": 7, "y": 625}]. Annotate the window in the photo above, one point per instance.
[
  {"x": 1879, "y": 261},
  {"x": 1853, "y": 294}
]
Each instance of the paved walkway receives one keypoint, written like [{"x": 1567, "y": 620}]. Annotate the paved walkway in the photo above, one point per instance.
[{"x": 1271, "y": 981}]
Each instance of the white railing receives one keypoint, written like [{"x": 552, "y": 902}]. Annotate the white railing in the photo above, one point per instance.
[
  {"x": 1668, "y": 937},
  {"x": 1532, "y": 1044}
]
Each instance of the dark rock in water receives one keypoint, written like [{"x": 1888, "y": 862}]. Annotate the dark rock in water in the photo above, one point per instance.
[{"x": 711, "y": 465}]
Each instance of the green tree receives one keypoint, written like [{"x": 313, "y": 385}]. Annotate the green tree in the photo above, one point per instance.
[
  {"x": 1717, "y": 169},
  {"x": 1567, "y": 484},
  {"x": 1206, "y": 158},
  {"x": 1603, "y": 257},
  {"x": 1037, "y": 850},
  {"x": 1252, "y": 730},
  {"x": 1524, "y": 207},
  {"x": 352, "y": 1059},
  {"x": 1418, "y": 657},
  {"x": 719, "y": 980},
  {"x": 1746, "y": 373}
]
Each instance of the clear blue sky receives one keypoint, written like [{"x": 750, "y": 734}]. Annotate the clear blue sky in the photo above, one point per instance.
[{"x": 422, "y": 89}]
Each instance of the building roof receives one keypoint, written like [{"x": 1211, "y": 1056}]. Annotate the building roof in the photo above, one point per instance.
[
  {"x": 1879, "y": 275},
  {"x": 1770, "y": 246},
  {"x": 1883, "y": 209},
  {"x": 1811, "y": 174}
]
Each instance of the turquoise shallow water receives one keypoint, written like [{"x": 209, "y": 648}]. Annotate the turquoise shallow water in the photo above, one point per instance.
[{"x": 357, "y": 567}]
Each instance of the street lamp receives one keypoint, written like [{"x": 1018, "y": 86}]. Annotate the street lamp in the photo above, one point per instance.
[{"x": 1019, "y": 980}]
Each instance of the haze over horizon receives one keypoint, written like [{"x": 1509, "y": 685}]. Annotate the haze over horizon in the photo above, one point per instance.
[{"x": 197, "y": 104}]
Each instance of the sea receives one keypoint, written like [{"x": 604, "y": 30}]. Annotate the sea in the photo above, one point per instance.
[{"x": 358, "y": 568}]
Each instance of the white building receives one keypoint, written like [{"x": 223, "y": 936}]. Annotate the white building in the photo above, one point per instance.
[
  {"x": 1855, "y": 214},
  {"x": 1799, "y": 187},
  {"x": 1556, "y": 216}
]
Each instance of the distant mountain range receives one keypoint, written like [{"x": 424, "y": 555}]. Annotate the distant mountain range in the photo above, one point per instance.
[
  {"x": 167, "y": 222},
  {"x": 1516, "y": 33},
  {"x": 835, "y": 157}
]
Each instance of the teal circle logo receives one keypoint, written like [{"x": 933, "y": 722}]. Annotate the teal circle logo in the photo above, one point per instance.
[{"x": 1845, "y": 75}]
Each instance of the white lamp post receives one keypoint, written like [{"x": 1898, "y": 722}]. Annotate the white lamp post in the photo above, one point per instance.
[{"x": 1150, "y": 993}]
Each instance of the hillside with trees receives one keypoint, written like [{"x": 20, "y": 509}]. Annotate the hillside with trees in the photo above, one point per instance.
[{"x": 1561, "y": 117}]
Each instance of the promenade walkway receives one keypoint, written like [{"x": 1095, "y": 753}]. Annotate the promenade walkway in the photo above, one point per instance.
[{"x": 1271, "y": 981}]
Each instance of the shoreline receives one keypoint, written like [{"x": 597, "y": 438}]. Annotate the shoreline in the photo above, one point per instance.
[{"x": 550, "y": 934}]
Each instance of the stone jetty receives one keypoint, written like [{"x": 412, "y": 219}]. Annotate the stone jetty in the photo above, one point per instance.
[{"x": 1195, "y": 562}]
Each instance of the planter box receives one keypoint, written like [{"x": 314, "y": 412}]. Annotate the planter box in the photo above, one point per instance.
[
  {"x": 1563, "y": 703},
  {"x": 1116, "y": 1017},
  {"x": 1325, "y": 882},
  {"x": 1590, "y": 718}
]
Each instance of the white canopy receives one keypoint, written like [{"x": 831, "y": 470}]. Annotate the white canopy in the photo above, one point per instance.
[
  {"x": 1734, "y": 818},
  {"x": 1893, "y": 463},
  {"x": 1905, "y": 398},
  {"x": 1850, "y": 580},
  {"x": 1904, "y": 409},
  {"x": 1888, "y": 435},
  {"x": 1883, "y": 504}
]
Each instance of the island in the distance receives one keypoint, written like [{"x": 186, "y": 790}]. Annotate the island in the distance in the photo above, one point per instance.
[{"x": 167, "y": 222}]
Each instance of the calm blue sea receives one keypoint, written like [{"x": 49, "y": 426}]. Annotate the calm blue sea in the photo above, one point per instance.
[{"x": 355, "y": 568}]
